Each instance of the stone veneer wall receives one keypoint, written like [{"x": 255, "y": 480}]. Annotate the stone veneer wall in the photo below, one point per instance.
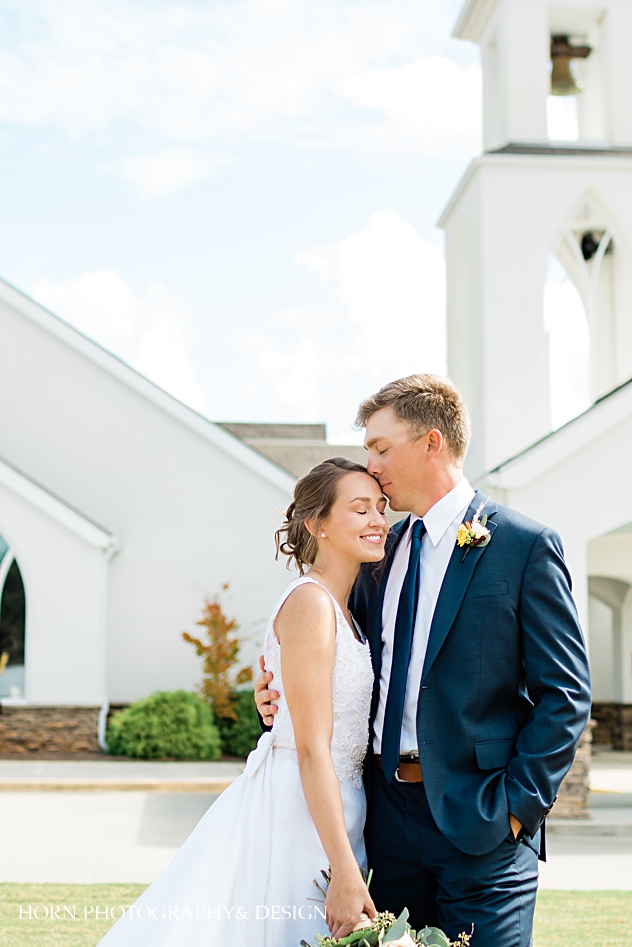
[
  {"x": 602, "y": 715},
  {"x": 25, "y": 730},
  {"x": 614, "y": 724},
  {"x": 622, "y": 727},
  {"x": 573, "y": 800}
]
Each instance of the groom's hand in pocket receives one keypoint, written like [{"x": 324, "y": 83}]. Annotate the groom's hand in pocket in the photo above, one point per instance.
[
  {"x": 516, "y": 826},
  {"x": 264, "y": 695}
]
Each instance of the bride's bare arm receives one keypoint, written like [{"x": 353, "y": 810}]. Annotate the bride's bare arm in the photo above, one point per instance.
[{"x": 306, "y": 628}]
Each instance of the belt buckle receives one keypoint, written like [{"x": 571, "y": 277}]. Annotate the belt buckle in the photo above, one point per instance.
[{"x": 411, "y": 757}]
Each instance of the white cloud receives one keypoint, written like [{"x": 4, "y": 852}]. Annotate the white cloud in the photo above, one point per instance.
[
  {"x": 147, "y": 331},
  {"x": 101, "y": 304},
  {"x": 167, "y": 171},
  {"x": 201, "y": 72},
  {"x": 387, "y": 319},
  {"x": 432, "y": 101}
]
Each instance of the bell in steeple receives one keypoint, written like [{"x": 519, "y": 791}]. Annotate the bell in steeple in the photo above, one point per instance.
[{"x": 563, "y": 81}]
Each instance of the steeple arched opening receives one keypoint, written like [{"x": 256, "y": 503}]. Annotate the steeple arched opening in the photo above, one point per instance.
[{"x": 587, "y": 302}]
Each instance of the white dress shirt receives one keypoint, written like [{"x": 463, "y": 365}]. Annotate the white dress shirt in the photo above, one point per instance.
[{"x": 442, "y": 523}]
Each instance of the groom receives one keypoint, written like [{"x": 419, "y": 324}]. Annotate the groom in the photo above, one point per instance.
[{"x": 481, "y": 679}]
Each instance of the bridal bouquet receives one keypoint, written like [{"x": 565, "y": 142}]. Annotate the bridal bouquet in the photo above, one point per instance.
[{"x": 385, "y": 928}]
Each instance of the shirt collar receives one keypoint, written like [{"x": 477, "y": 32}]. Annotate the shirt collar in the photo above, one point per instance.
[{"x": 440, "y": 517}]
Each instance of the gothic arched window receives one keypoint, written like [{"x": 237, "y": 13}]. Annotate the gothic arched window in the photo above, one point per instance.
[
  {"x": 587, "y": 301},
  {"x": 12, "y": 624}
]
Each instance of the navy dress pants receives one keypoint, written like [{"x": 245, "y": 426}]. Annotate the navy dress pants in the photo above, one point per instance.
[{"x": 415, "y": 866}]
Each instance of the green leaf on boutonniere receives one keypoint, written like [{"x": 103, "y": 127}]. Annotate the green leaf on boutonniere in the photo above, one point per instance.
[{"x": 484, "y": 520}]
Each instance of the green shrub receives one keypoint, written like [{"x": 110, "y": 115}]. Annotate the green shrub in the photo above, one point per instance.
[
  {"x": 240, "y": 736},
  {"x": 175, "y": 724}
]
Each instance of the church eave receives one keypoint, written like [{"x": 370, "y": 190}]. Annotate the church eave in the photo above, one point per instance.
[
  {"x": 472, "y": 19},
  {"x": 561, "y": 160}
]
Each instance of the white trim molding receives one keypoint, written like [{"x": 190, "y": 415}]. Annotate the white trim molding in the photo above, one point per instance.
[
  {"x": 473, "y": 19},
  {"x": 57, "y": 509}
]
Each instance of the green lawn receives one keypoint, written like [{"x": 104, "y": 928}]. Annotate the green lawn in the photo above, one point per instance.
[
  {"x": 563, "y": 918},
  {"x": 85, "y": 931},
  {"x": 583, "y": 919}
]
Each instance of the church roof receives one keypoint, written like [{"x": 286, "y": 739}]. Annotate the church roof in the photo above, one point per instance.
[
  {"x": 583, "y": 149},
  {"x": 606, "y": 413},
  {"x": 295, "y": 447},
  {"x": 215, "y": 433},
  {"x": 61, "y": 511}
]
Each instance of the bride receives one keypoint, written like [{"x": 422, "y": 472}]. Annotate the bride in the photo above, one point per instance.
[{"x": 244, "y": 877}]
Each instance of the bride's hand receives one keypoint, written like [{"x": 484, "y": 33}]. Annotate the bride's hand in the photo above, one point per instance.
[
  {"x": 347, "y": 897},
  {"x": 264, "y": 695}
]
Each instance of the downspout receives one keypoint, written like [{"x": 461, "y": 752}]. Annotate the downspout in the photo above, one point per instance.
[{"x": 109, "y": 551}]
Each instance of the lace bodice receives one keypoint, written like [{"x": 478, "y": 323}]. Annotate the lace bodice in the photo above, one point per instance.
[{"x": 352, "y": 688}]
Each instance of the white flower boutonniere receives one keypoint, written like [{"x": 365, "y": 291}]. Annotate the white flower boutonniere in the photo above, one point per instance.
[{"x": 474, "y": 533}]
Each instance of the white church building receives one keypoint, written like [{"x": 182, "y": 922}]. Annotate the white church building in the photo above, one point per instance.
[
  {"x": 529, "y": 207},
  {"x": 121, "y": 509}
]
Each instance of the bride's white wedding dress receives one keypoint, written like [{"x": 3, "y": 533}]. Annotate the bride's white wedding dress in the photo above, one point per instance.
[{"x": 244, "y": 877}]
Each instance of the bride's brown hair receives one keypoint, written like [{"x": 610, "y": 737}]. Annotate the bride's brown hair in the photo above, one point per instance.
[{"x": 314, "y": 496}]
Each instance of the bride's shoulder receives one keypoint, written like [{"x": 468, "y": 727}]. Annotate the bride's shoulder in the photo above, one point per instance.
[
  {"x": 305, "y": 592},
  {"x": 306, "y": 604}
]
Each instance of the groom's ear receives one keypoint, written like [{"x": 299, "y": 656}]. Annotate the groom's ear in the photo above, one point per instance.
[{"x": 435, "y": 442}]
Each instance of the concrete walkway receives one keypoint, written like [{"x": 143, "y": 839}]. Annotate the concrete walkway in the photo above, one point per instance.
[
  {"x": 611, "y": 771},
  {"x": 122, "y": 821}
]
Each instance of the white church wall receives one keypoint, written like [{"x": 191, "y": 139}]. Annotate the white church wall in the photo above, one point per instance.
[
  {"x": 189, "y": 516},
  {"x": 601, "y": 650},
  {"x": 466, "y": 352},
  {"x": 63, "y": 581},
  {"x": 581, "y": 490},
  {"x": 612, "y": 556}
]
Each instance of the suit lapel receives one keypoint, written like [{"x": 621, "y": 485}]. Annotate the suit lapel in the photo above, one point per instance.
[{"x": 457, "y": 578}]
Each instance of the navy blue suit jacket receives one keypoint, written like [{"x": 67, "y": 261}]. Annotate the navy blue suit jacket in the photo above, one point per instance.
[{"x": 505, "y": 691}]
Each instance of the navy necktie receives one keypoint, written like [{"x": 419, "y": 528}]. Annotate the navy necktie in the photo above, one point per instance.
[{"x": 402, "y": 646}]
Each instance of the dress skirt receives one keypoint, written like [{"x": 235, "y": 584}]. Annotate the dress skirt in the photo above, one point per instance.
[{"x": 244, "y": 877}]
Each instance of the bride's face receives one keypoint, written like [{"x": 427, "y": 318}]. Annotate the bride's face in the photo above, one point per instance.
[{"x": 356, "y": 525}]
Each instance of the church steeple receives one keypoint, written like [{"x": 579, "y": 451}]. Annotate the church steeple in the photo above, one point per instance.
[
  {"x": 549, "y": 200},
  {"x": 522, "y": 42}
]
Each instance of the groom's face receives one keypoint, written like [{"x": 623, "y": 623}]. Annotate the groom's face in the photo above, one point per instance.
[{"x": 396, "y": 460}]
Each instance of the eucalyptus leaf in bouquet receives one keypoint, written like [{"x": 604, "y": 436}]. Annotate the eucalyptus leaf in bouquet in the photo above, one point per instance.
[{"x": 386, "y": 929}]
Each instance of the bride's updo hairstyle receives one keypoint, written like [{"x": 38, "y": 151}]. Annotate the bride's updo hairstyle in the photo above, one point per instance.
[{"x": 314, "y": 496}]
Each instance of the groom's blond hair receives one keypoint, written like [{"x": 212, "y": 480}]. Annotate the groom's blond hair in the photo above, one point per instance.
[{"x": 424, "y": 403}]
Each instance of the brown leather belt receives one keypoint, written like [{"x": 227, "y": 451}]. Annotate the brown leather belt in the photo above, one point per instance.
[{"x": 407, "y": 771}]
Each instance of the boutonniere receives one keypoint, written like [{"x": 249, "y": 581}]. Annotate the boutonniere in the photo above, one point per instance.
[{"x": 474, "y": 533}]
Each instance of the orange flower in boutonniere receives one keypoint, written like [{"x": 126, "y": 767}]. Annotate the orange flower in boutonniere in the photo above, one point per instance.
[{"x": 474, "y": 533}]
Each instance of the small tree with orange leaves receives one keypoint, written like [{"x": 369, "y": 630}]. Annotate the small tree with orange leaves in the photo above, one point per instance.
[{"x": 220, "y": 652}]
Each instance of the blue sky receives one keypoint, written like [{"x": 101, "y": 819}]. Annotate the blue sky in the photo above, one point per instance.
[{"x": 239, "y": 198}]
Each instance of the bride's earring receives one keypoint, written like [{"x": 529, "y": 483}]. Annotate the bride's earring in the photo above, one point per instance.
[{"x": 323, "y": 535}]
